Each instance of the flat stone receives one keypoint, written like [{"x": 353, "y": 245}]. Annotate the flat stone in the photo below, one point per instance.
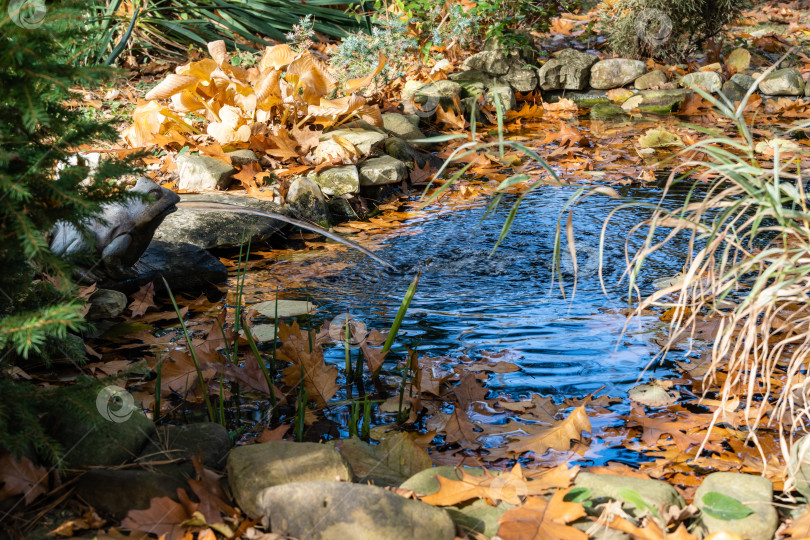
[
  {"x": 284, "y": 308},
  {"x": 206, "y": 439},
  {"x": 243, "y": 156},
  {"x": 402, "y": 126},
  {"x": 709, "y": 80},
  {"x": 783, "y": 82},
  {"x": 648, "y": 80},
  {"x": 739, "y": 59},
  {"x": 338, "y": 181},
  {"x": 114, "y": 492},
  {"x": 587, "y": 98},
  {"x": 807, "y": 89},
  {"x": 607, "y": 486},
  {"x": 341, "y": 210},
  {"x": 362, "y": 139},
  {"x": 472, "y": 89},
  {"x": 753, "y": 491},
  {"x": 568, "y": 70},
  {"x": 338, "y": 511},
  {"x": 106, "y": 304},
  {"x": 221, "y": 229},
  {"x": 490, "y": 62},
  {"x": 381, "y": 171},
  {"x": 616, "y": 72},
  {"x": 662, "y": 101},
  {"x": 471, "y": 76},
  {"x": 185, "y": 266},
  {"x": 305, "y": 197},
  {"x": 203, "y": 173},
  {"x": 716, "y": 67},
  {"x": 254, "y": 468},
  {"x": 480, "y": 516}
]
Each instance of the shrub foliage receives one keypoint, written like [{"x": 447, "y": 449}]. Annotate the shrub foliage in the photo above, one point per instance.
[{"x": 665, "y": 30}]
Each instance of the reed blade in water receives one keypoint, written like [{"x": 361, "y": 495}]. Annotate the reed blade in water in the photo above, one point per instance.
[{"x": 227, "y": 207}]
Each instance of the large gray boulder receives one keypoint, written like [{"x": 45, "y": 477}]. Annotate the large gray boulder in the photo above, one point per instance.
[
  {"x": 616, "y": 72},
  {"x": 755, "y": 492},
  {"x": 405, "y": 152},
  {"x": 203, "y": 173},
  {"x": 185, "y": 267},
  {"x": 306, "y": 198},
  {"x": 337, "y": 181},
  {"x": 569, "y": 69},
  {"x": 381, "y": 171},
  {"x": 521, "y": 76},
  {"x": 208, "y": 440},
  {"x": 501, "y": 93},
  {"x": 783, "y": 82},
  {"x": 254, "y": 468},
  {"x": 799, "y": 465},
  {"x": 362, "y": 139},
  {"x": 114, "y": 492},
  {"x": 338, "y": 511},
  {"x": 490, "y": 62},
  {"x": 106, "y": 304},
  {"x": 221, "y": 229}
]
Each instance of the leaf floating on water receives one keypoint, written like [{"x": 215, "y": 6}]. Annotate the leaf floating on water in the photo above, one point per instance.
[
  {"x": 286, "y": 308},
  {"x": 659, "y": 138},
  {"x": 557, "y": 437},
  {"x": 652, "y": 394}
]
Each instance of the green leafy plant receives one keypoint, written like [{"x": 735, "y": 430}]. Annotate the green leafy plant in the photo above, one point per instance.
[
  {"x": 665, "y": 30},
  {"x": 359, "y": 53}
]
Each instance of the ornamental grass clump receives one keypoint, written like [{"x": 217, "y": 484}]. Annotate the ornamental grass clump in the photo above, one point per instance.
[
  {"x": 664, "y": 30},
  {"x": 746, "y": 278}
]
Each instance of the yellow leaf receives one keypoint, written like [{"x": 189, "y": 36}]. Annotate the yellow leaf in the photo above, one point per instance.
[
  {"x": 229, "y": 129},
  {"x": 171, "y": 85},
  {"x": 276, "y": 57},
  {"x": 218, "y": 52},
  {"x": 311, "y": 76}
]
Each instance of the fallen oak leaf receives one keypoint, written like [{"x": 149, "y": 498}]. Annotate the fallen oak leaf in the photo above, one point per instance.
[
  {"x": 163, "y": 517},
  {"x": 539, "y": 519},
  {"x": 21, "y": 477},
  {"x": 142, "y": 300},
  {"x": 557, "y": 437}
]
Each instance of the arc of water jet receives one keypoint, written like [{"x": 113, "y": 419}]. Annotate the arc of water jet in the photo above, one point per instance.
[{"x": 227, "y": 207}]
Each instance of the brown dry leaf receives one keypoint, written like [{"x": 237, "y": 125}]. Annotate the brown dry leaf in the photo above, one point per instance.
[
  {"x": 651, "y": 530},
  {"x": 21, "y": 478},
  {"x": 163, "y": 517},
  {"x": 275, "y": 434},
  {"x": 247, "y": 175},
  {"x": 214, "y": 501},
  {"x": 178, "y": 374},
  {"x": 142, "y": 300},
  {"x": 394, "y": 460},
  {"x": 557, "y": 437},
  {"x": 282, "y": 145},
  {"x": 422, "y": 175},
  {"x": 320, "y": 379},
  {"x": 539, "y": 519},
  {"x": 450, "y": 118},
  {"x": 89, "y": 520},
  {"x": 469, "y": 390},
  {"x": 459, "y": 429}
]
